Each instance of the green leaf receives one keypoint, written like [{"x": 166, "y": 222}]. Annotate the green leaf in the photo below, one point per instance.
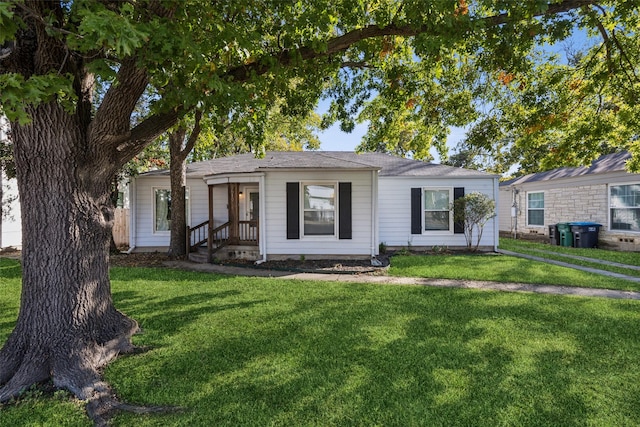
[
  {"x": 9, "y": 24},
  {"x": 16, "y": 93}
]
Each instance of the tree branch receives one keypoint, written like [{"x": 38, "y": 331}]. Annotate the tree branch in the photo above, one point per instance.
[
  {"x": 193, "y": 137},
  {"x": 111, "y": 123},
  {"x": 144, "y": 133},
  {"x": 343, "y": 42},
  {"x": 355, "y": 65},
  {"x": 629, "y": 72},
  {"x": 605, "y": 38}
]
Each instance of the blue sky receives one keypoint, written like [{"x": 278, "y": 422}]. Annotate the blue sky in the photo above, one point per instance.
[{"x": 333, "y": 139}]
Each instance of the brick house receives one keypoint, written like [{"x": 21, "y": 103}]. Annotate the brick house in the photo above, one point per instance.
[{"x": 604, "y": 193}]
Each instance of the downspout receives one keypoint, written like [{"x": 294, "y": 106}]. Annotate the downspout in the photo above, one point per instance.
[
  {"x": 514, "y": 210},
  {"x": 374, "y": 212},
  {"x": 262, "y": 220},
  {"x": 132, "y": 215},
  {"x": 496, "y": 219}
]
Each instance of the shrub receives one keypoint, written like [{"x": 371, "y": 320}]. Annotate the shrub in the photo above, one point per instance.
[{"x": 473, "y": 210}]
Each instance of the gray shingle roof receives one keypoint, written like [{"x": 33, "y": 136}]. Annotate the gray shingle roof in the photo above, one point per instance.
[
  {"x": 334, "y": 160},
  {"x": 604, "y": 164},
  {"x": 399, "y": 166}
]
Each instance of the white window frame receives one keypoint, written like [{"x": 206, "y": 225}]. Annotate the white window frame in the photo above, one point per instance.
[
  {"x": 424, "y": 210},
  {"x": 333, "y": 236},
  {"x": 609, "y": 215},
  {"x": 535, "y": 209},
  {"x": 153, "y": 208}
]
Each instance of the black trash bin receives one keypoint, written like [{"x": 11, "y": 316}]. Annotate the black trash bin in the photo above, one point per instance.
[
  {"x": 554, "y": 238},
  {"x": 585, "y": 234}
]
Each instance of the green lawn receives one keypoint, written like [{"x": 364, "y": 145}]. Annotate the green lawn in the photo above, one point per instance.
[
  {"x": 564, "y": 254},
  {"x": 267, "y": 352},
  {"x": 500, "y": 268},
  {"x": 630, "y": 258}
]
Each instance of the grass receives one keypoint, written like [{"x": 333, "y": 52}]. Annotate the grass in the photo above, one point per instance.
[
  {"x": 560, "y": 253},
  {"x": 629, "y": 258},
  {"x": 500, "y": 268},
  {"x": 238, "y": 351}
]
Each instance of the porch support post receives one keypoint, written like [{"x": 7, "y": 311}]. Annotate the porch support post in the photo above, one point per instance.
[
  {"x": 210, "y": 226},
  {"x": 262, "y": 218},
  {"x": 234, "y": 213},
  {"x": 188, "y": 240}
]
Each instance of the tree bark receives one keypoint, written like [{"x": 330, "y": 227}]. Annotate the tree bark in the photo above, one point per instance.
[
  {"x": 179, "y": 149},
  {"x": 178, "y": 178},
  {"x": 67, "y": 327}
]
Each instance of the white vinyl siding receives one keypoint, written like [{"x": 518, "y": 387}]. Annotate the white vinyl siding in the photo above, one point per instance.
[
  {"x": 535, "y": 208},
  {"x": 624, "y": 207},
  {"x": 275, "y": 199},
  {"x": 394, "y": 202},
  {"x": 388, "y": 198},
  {"x": 144, "y": 205}
]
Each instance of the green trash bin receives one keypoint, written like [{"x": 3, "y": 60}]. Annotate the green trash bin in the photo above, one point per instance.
[{"x": 565, "y": 234}]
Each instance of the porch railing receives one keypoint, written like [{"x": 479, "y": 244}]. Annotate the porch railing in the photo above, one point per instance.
[
  {"x": 221, "y": 235},
  {"x": 197, "y": 236},
  {"x": 248, "y": 231}
]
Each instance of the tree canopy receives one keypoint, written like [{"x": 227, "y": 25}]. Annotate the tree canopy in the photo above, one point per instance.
[
  {"x": 567, "y": 108},
  {"x": 423, "y": 60}
]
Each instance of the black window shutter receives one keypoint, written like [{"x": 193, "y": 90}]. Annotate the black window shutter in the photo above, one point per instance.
[
  {"x": 416, "y": 211},
  {"x": 344, "y": 210},
  {"x": 293, "y": 210},
  {"x": 458, "y": 226}
]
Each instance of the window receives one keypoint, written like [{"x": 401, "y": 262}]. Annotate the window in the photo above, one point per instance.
[
  {"x": 162, "y": 209},
  {"x": 319, "y": 209},
  {"x": 437, "y": 214},
  {"x": 624, "y": 207},
  {"x": 535, "y": 208}
]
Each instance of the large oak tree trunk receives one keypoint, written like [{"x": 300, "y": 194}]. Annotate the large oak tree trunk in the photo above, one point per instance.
[
  {"x": 66, "y": 159},
  {"x": 178, "y": 241},
  {"x": 67, "y": 327},
  {"x": 179, "y": 148}
]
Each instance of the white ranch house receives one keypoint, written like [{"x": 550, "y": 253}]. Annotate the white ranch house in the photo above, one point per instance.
[
  {"x": 311, "y": 204},
  {"x": 604, "y": 193}
]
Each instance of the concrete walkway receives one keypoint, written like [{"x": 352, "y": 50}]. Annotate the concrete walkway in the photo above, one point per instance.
[
  {"x": 584, "y": 258},
  {"x": 390, "y": 280},
  {"x": 579, "y": 267}
]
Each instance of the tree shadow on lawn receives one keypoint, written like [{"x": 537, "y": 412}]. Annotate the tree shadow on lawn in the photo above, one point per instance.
[
  {"x": 172, "y": 315},
  {"x": 370, "y": 355},
  {"x": 162, "y": 274},
  {"x": 7, "y": 326},
  {"x": 10, "y": 269}
]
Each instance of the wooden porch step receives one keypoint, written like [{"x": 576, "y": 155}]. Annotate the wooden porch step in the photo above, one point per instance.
[
  {"x": 245, "y": 252},
  {"x": 199, "y": 257}
]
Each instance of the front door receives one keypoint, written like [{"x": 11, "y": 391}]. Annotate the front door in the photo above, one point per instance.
[{"x": 253, "y": 204}]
